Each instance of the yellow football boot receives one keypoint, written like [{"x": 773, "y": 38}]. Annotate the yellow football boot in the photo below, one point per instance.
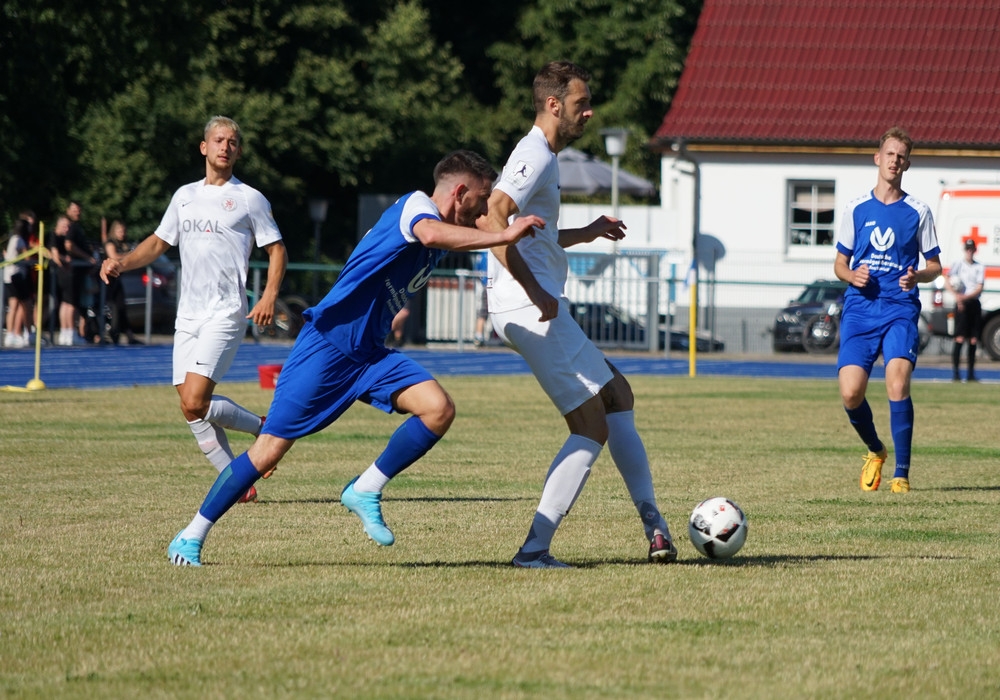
[
  {"x": 871, "y": 473},
  {"x": 900, "y": 484}
]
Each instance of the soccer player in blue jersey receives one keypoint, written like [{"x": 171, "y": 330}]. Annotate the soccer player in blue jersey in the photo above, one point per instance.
[
  {"x": 881, "y": 236},
  {"x": 340, "y": 355}
]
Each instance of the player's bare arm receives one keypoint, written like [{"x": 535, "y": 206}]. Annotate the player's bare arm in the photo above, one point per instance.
[
  {"x": 928, "y": 273},
  {"x": 144, "y": 253},
  {"x": 606, "y": 227},
  {"x": 501, "y": 208},
  {"x": 262, "y": 313},
  {"x": 444, "y": 236}
]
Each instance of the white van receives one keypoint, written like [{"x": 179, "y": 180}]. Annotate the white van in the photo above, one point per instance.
[{"x": 969, "y": 211}]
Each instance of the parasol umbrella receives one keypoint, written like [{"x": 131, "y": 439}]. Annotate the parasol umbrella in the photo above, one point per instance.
[{"x": 580, "y": 173}]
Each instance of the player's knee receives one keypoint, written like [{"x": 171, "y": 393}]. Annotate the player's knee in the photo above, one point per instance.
[
  {"x": 194, "y": 407},
  {"x": 267, "y": 451},
  {"x": 439, "y": 414}
]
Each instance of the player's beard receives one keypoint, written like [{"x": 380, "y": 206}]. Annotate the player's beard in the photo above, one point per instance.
[{"x": 570, "y": 131}]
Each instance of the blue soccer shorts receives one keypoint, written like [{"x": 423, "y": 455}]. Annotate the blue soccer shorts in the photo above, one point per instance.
[
  {"x": 318, "y": 383},
  {"x": 872, "y": 327}
]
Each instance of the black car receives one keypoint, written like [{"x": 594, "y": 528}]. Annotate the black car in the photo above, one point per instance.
[
  {"x": 609, "y": 326},
  {"x": 161, "y": 275},
  {"x": 814, "y": 299}
]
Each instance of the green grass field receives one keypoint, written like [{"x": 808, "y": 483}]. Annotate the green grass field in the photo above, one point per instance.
[{"x": 836, "y": 594}]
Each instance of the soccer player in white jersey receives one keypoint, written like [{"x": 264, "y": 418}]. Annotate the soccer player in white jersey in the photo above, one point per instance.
[
  {"x": 530, "y": 313},
  {"x": 215, "y": 222},
  {"x": 880, "y": 238},
  {"x": 340, "y": 355}
]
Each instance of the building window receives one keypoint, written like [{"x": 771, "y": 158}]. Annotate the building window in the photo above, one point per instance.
[{"x": 810, "y": 214}]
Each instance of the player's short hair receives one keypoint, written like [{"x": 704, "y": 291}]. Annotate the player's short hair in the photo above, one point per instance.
[
  {"x": 464, "y": 162},
  {"x": 900, "y": 135},
  {"x": 553, "y": 81},
  {"x": 219, "y": 120}
]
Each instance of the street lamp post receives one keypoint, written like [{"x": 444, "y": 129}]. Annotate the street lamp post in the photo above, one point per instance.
[
  {"x": 614, "y": 143},
  {"x": 317, "y": 212}
]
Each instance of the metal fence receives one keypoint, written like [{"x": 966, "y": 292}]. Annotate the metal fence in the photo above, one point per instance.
[{"x": 618, "y": 298}]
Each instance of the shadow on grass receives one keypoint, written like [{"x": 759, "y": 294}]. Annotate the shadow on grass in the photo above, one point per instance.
[
  {"x": 965, "y": 488},
  {"x": 764, "y": 562},
  {"x": 264, "y": 500}
]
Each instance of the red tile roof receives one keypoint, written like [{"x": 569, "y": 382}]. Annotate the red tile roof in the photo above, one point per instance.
[{"x": 840, "y": 72}]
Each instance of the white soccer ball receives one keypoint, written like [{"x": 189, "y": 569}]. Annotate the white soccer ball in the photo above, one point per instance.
[
  {"x": 956, "y": 283},
  {"x": 718, "y": 528}
]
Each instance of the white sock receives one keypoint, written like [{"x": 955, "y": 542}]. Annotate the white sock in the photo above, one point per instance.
[
  {"x": 563, "y": 484},
  {"x": 629, "y": 455},
  {"x": 198, "y": 528},
  {"x": 213, "y": 442},
  {"x": 225, "y": 412},
  {"x": 371, "y": 481}
]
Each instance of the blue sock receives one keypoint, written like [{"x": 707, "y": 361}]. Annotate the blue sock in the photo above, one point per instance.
[
  {"x": 863, "y": 422},
  {"x": 410, "y": 442},
  {"x": 901, "y": 421},
  {"x": 232, "y": 482}
]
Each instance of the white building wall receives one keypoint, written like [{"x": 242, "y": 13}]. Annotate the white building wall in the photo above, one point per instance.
[{"x": 744, "y": 215}]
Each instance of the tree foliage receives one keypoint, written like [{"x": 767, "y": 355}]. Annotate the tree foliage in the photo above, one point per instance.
[{"x": 105, "y": 102}]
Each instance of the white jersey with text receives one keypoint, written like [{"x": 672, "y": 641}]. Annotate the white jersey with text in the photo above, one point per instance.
[
  {"x": 531, "y": 179},
  {"x": 215, "y": 228}
]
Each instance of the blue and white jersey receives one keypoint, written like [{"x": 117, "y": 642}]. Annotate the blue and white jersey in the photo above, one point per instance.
[
  {"x": 888, "y": 238},
  {"x": 388, "y": 267}
]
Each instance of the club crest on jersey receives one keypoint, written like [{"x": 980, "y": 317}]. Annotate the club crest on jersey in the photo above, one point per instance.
[
  {"x": 519, "y": 174},
  {"x": 882, "y": 241},
  {"x": 420, "y": 279},
  {"x": 228, "y": 203}
]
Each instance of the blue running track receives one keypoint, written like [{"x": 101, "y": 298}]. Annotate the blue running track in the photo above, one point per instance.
[{"x": 88, "y": 367}]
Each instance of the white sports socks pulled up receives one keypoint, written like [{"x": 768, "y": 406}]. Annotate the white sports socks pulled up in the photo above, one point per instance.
[
  {"x": 629, "y": 455},
  {"x": 229, "y": 414},
  {"x": 213, "y": 442},
  {"x": 563, "y": 484}
]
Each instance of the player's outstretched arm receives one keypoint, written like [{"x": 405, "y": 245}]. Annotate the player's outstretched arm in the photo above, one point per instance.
[
  {"x": 144, "y": 253},
  {"x": 606, "y": 227},
  {"x": 439, "y": 234}
]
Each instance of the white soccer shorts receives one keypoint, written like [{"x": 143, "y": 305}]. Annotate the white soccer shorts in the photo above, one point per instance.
[
  {"x": 568, "y": 366},
  {"x": 207, "y": 347}
]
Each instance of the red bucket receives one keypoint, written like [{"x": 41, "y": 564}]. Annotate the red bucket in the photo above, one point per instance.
[{"x": 268, "y": 375}]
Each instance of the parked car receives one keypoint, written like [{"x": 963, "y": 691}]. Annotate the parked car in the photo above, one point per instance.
[
  {"x": 607, "y": 325},
  {"x": 815, "y": 322},
  {"x": 163, "y": 279},
  {"x": 790, "y": 321}
]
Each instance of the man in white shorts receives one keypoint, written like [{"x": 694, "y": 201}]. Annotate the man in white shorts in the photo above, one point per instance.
[
  {"x": 215, "y": 222},
  {"x": 530, "y": 314}
]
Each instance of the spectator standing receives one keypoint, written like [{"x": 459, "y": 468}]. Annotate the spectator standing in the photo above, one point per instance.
[
  {"x": 17, "y": 286},
  {"x": 115, "y": 248},
  {"x": 965, "y": 280},
  {"x": 66, "y": 291}
]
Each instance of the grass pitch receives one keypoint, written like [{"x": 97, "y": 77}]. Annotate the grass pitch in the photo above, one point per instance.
[{"x": 836, "y": 594}]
